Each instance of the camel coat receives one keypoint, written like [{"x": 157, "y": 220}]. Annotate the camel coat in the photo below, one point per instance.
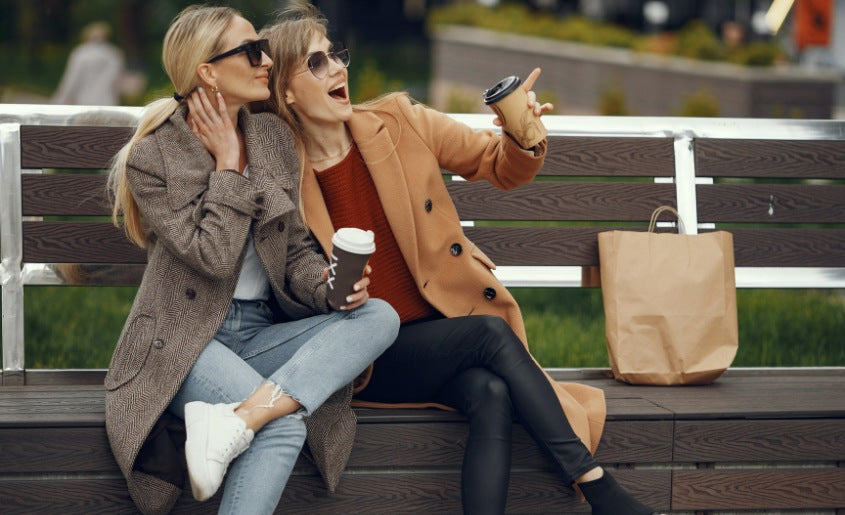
[
  {"x": 198, "y": 221},
  {"x": 405, "y": 145}
]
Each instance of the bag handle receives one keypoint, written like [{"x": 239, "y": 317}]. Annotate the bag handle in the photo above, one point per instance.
[{"x": 662, "y": 209}]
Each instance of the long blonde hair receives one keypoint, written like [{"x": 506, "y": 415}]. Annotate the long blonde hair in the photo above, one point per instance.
[
  {"x": 290, "y": 36},
  {"x": 192, "y": 39}
]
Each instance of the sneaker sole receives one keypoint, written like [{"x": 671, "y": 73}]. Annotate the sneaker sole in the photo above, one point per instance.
[{"x": 193, "y": 452}]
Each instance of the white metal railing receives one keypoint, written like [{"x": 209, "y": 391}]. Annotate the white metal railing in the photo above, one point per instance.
[{"x": 14, "y": 274}]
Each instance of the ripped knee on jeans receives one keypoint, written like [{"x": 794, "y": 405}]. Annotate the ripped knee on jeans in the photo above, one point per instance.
[{"x": 276, "y": 394}]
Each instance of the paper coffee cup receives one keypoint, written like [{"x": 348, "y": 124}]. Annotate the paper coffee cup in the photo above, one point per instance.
[
  {"x": 351, "y": 249},
  {"x": 510, "y": 102}
]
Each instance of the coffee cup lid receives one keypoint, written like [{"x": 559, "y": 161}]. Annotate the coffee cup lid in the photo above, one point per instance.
[
  {"x": 502, "y": 89},
  {"x": 357, "y": 241}
]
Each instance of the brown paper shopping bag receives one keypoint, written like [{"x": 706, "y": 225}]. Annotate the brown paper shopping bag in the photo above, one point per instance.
[{"x": 670, "y": 304}]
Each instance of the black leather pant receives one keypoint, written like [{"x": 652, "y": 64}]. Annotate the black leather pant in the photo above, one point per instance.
[{"x": 477, "y": 365}]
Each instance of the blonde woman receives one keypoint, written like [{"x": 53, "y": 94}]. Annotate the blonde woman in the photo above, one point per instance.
[
  {"x": 230, "y": 330},
  {"x": 378, "y": 166}
]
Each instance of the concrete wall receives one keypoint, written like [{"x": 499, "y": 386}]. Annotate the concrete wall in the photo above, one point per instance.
[{"x": 467, "y": 61}]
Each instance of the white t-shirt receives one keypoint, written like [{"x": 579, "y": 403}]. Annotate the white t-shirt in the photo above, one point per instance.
[{"x": 253, "y": 283}]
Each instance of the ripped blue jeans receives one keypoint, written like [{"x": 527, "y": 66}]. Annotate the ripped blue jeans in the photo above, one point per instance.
[{"x": 309, "y": 359}]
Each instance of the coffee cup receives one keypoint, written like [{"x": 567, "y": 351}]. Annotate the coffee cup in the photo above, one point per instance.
[
  {"x": 510, "y": 102},
  {"x": 351, "y": 249}
]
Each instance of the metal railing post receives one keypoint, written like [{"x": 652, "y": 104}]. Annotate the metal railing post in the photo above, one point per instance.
[
  {"x": 11, "y": 253},
  {"x": 685, "y": 182}
]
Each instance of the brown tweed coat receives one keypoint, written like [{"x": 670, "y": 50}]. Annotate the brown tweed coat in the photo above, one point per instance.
[
  {"x": 198, "y": 220},
  {"x": 405, "y": 146}
]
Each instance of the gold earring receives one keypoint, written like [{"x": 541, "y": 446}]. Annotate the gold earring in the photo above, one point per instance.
[{"x": 214, "y": 90}]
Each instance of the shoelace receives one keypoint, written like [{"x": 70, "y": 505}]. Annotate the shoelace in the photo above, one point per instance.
[{"x": 235, "y": 442}]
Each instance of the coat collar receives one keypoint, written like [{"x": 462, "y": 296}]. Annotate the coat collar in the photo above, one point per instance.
[
  {"x": 188, "y": 163},
  {"x": 377, "y": 139}
]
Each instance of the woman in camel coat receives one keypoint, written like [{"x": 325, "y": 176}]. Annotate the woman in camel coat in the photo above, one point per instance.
[{"x": 462, "y": 341}]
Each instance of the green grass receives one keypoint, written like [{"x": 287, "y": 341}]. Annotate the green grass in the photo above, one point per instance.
[
  {"x": 776, "y": 327},
  {"x": 73, "y": 327},
  {"x": 77, "y": 327}
]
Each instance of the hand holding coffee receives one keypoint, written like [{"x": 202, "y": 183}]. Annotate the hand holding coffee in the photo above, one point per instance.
[
  {"x": 509, "y": 99},
  {"x": 351, "y": 249}
]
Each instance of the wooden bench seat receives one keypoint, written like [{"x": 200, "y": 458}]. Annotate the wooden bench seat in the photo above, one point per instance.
[
  {"x": 756, "y": 439},
  {"x": 776, "y": 436}
]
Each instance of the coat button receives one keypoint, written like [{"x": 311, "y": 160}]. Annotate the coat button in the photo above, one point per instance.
[
  {"x": 489, "y": 293},
  {"x": 191, "y": 293},
  {"x": 456, "y": 249},
  {"x": 158, "y": 344},
  {"x": 259, "y": 199},
  {"x": 280, "y": 226},
  {"x": 258, "y": 212},
  {"x": 428, "y": 205}
]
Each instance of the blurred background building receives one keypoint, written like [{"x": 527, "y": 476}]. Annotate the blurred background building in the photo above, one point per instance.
[{"x": 395, "y": 45}]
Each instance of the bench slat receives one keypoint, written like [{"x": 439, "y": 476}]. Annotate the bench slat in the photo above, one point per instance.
[
  {"x": 789, "y": 247},
  {"x": 100, "y": 242},
  {"x": 44, "y": 146},
  {"x": 772, "y": 489},
  {"x": 64, "y": 194},
  {"x": 542, "y": 200},
  {"x": 434, "y": 491},
  {"x": 78, "y": 242},
  {"x": 609, "y": 157},
  {"x": 788, "y": 159},
  {"x": 771, "y": 203},
  {"x": 760, "y": 440}
]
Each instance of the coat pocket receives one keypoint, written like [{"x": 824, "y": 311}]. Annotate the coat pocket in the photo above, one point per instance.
[{"x": 131, "y": 352}]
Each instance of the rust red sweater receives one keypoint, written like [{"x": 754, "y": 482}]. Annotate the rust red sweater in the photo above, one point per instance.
[{"x": 353, "y": 201}]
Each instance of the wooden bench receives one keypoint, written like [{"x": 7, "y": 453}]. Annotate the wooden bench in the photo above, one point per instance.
[{"x": 756, "y": 439}]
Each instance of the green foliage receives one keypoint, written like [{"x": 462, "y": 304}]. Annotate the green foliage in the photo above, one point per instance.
[
  {"x": 698, "y": 41},
  {"x": 702, "y": 103},
  {"x": 695, "y": 41},
  {"x": 548, "y": 96},
  {"x": 372, "y": 83},
  {"x": 613, "y": 102},
  {"x": 759, "y": 53},
  {"x": 519, "y": 19},
  {"x": 779, "y": 110},
  {"x": 461, "y": 101}
]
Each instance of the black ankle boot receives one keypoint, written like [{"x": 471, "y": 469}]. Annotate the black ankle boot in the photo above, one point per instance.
[{"x": 607, "y": 497}]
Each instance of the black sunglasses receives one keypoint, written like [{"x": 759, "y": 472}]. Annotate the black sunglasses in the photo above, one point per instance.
[
  {"x": 253, "y": 51},
  {"x": 318, "y": 62}
]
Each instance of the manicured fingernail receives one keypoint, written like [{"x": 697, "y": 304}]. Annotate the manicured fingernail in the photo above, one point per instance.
[
  {"x": 356, "y": 288},
  {"x": 349, "y": 298}
]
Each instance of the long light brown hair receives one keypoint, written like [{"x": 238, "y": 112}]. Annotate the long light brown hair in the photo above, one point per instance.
[
  {"x": 192, "y": 39},
  {"x": 290, "y": 37}
]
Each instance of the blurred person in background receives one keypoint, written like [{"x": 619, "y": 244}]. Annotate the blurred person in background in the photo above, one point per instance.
[{"x": 94, "y": 71}]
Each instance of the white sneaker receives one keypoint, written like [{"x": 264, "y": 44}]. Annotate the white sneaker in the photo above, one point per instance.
[{"x": 215, "y": 436}]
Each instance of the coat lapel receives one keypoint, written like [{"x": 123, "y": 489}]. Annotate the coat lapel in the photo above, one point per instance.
[
  {"x": 316, "y": 213},
  {"x": 188, "y": 164},
  {"x": 186, "y": 161},
  {"x": 267, "y": 167},
  {"x": 377, "y": 142}
]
